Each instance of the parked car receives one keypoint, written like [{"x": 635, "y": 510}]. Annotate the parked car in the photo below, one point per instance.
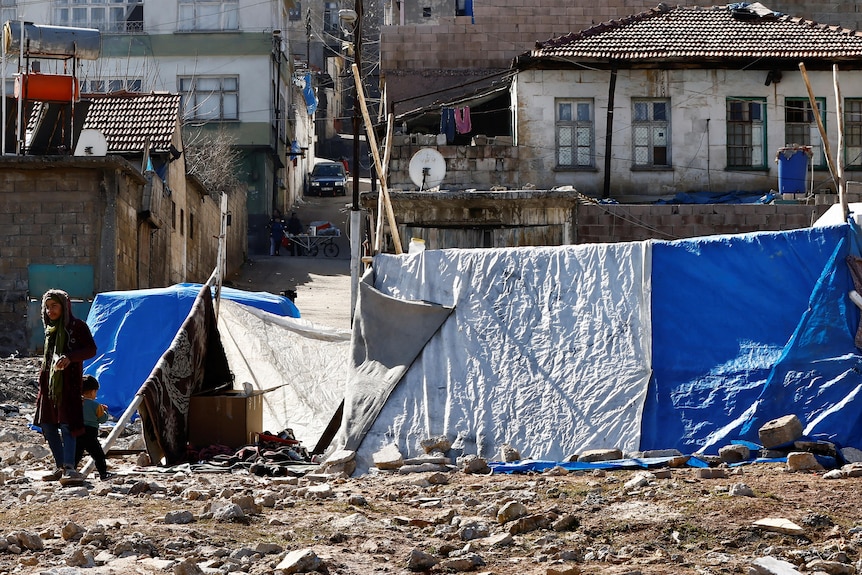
[{"x": 327, "y": 178}]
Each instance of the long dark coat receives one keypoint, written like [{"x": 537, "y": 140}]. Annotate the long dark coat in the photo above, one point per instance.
[{"x": 79, "y": 347}]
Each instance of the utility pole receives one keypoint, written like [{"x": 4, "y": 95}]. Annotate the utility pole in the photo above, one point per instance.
[
  {"x": 355, "y": 213},
  {"x": 308, "y": 39}
]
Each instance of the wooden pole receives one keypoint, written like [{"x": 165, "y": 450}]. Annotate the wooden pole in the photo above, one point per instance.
[
  {"x": 839, "y": 158},
  {"x": 387, "y": 152},
  {"x": 372, "y": 143},
  {"x": 827, "y": 150}
]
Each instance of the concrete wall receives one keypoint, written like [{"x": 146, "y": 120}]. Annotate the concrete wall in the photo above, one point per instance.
[
  {"x": 539, "y": 218},
  {"x": 697, "y": 127},
  {"x": 64, "y": 211},
  {"x": 503, "y": 30}
]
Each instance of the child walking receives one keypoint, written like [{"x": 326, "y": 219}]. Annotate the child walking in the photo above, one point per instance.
[{"x": 94, "y": 414}]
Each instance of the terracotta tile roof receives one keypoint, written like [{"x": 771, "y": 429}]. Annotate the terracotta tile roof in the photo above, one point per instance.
[
  {"x": 127, "y": 119},
  {"x": 733, "y": 31}
]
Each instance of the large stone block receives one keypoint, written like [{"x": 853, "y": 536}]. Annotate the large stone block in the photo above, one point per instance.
[{"x": 780, "y": 431}]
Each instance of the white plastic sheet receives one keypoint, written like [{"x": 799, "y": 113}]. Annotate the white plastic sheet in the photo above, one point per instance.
[
  {"x": 548, "y": 349},
  {"x": 303, "y": 365}
]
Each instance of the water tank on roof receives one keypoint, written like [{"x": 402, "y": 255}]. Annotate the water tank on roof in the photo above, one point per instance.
[{"x": 52, "y": 41}]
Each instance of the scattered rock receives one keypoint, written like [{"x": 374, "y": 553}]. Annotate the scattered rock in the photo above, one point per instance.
[
  {"x": 741, "y": 490},
  {"x": 593, "y": 455},
  {"x": 780, "y": 431},
  {"x": 734, "y": 453},
  {"x": 439, "y": 443},
  {"x": 772, "y": 566},
  {"x": 474, "y": 464},
  {"x": 802, "y": 461},
  {"x": 509, "y": 453},
  {"x": 388, "y": 458},
  {"x": 779, "y": 525},
  {"x": 300, "y": 561},
  {"x": 511, "y": 511},
  {"x": 420, "y": 561}
]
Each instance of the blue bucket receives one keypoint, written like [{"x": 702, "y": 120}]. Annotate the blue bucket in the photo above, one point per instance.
[{"x": 792, "y": 170}]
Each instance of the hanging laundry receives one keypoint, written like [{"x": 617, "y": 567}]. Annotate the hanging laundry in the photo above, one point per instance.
[
  {"x": 462, "y": 120},
  {"x": 447, "y": 124}
]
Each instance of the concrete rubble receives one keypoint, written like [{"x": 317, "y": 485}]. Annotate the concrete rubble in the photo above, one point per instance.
[{"x": 430, "y": 510}]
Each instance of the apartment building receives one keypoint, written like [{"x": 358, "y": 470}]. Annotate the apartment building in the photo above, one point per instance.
[{"x": 229, "y": 61}]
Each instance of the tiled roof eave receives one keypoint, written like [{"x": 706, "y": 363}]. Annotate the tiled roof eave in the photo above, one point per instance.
[{"x": 730, "y": 60}]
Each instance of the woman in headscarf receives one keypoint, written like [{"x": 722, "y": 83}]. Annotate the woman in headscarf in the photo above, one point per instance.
[{"x": 59, "y": 407}]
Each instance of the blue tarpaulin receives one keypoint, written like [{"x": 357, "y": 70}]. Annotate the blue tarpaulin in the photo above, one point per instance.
[
  {"x": 132, "y": 329},
  {"x": 310, "y": 96},
  {"x": 748, "y": 328}
]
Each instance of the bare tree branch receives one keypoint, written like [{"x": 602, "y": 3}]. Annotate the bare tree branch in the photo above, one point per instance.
[{"x": 214, "y": 159}]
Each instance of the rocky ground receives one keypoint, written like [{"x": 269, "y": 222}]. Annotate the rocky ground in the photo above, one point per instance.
[{"x": 674, "y": 520}]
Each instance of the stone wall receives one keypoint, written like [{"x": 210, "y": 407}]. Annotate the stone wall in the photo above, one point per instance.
[
  {"x": 481, "y": 167},
  {"x": 597, "y": 223},
  {"x": 483, "y": 219},
  {"x": 63, "y": 211}
]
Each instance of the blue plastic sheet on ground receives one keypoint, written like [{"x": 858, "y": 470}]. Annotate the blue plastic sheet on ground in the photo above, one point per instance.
[
  {"x": 720, "y": 198},
  {"x": 528, "y": 465}
]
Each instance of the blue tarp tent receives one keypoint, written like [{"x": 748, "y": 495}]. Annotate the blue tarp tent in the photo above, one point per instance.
[
  {"x": 132, "y": 329},
  {"x": 689, "y": 344}
]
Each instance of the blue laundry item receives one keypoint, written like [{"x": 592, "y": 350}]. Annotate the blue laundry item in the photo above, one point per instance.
[
  {"x": 447, "y": 124},
  {"x": 310, "y": 96}
]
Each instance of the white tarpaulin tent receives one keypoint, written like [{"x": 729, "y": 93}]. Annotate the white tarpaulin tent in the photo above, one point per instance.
[
  {"x": 302, "y": 366},
  {"x": 642, "y": 345}
]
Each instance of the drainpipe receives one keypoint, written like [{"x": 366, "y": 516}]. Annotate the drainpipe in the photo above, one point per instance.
[
  {"x": 606, "y": 193},
  {"x": 276, "y": 44}
]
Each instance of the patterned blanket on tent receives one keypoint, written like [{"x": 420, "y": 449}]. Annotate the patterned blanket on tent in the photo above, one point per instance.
[{"x": 195, "y": 362}]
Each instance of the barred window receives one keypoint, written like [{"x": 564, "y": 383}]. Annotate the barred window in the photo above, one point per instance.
[
  {"x": 574, "y": 133},
  {"x": 651, "y": 133},
  {"x": 746, "y": 137}
]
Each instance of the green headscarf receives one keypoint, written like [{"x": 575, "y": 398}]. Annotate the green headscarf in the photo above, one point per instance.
[{"x": 55, "y": 345}]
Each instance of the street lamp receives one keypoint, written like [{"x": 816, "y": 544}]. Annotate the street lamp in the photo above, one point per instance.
[{"x": 354, "y": 18}]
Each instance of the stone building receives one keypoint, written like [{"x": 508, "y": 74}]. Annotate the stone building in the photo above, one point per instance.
[{"x": 122, "y": 220}]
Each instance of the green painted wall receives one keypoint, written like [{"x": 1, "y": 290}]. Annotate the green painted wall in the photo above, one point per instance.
[{"x": 185, "y": 45}]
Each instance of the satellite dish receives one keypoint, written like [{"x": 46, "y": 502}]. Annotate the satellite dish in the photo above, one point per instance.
[
  {"x": 91, "y": 143},
  {"x": 427, "y": 168}
]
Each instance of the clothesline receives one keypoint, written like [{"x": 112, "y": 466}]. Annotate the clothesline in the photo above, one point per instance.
[{"x": 454, "y": 120}]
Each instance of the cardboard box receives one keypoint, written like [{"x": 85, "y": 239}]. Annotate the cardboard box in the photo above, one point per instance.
[{"x": 231, "y": 419}]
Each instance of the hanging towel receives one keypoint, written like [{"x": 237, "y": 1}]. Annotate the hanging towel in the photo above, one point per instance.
[
  {"x": 462, "y": 120},
  {"x": 447, "y": 124}
]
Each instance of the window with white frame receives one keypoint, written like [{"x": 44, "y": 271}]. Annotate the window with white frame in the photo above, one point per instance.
[
  {"x": 651, "y": 133},
  {"x": 800, "y": 126},
  {"x": 853, "y": 133},
  {"x": 574, "y": 133},
  {"x": 209, "y": 97},
  {"x": 117, "y": 16},
  {"x": 746, "y": 137},
  {"x": 110, "y": 85},
  {"x": 209, "y": 15}
]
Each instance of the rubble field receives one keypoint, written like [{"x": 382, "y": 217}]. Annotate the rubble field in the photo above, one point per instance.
[{"x": 750, "y": 519}]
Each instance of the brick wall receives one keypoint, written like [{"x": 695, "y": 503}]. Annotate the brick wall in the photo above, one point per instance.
[{"x": 503, "y": 30}]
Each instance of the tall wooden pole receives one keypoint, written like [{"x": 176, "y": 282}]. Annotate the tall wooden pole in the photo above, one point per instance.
[
  {"x": 827, "y": 150},
  {"x": 372, "y": 143},
  {"x": 839, "y": 158}
]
